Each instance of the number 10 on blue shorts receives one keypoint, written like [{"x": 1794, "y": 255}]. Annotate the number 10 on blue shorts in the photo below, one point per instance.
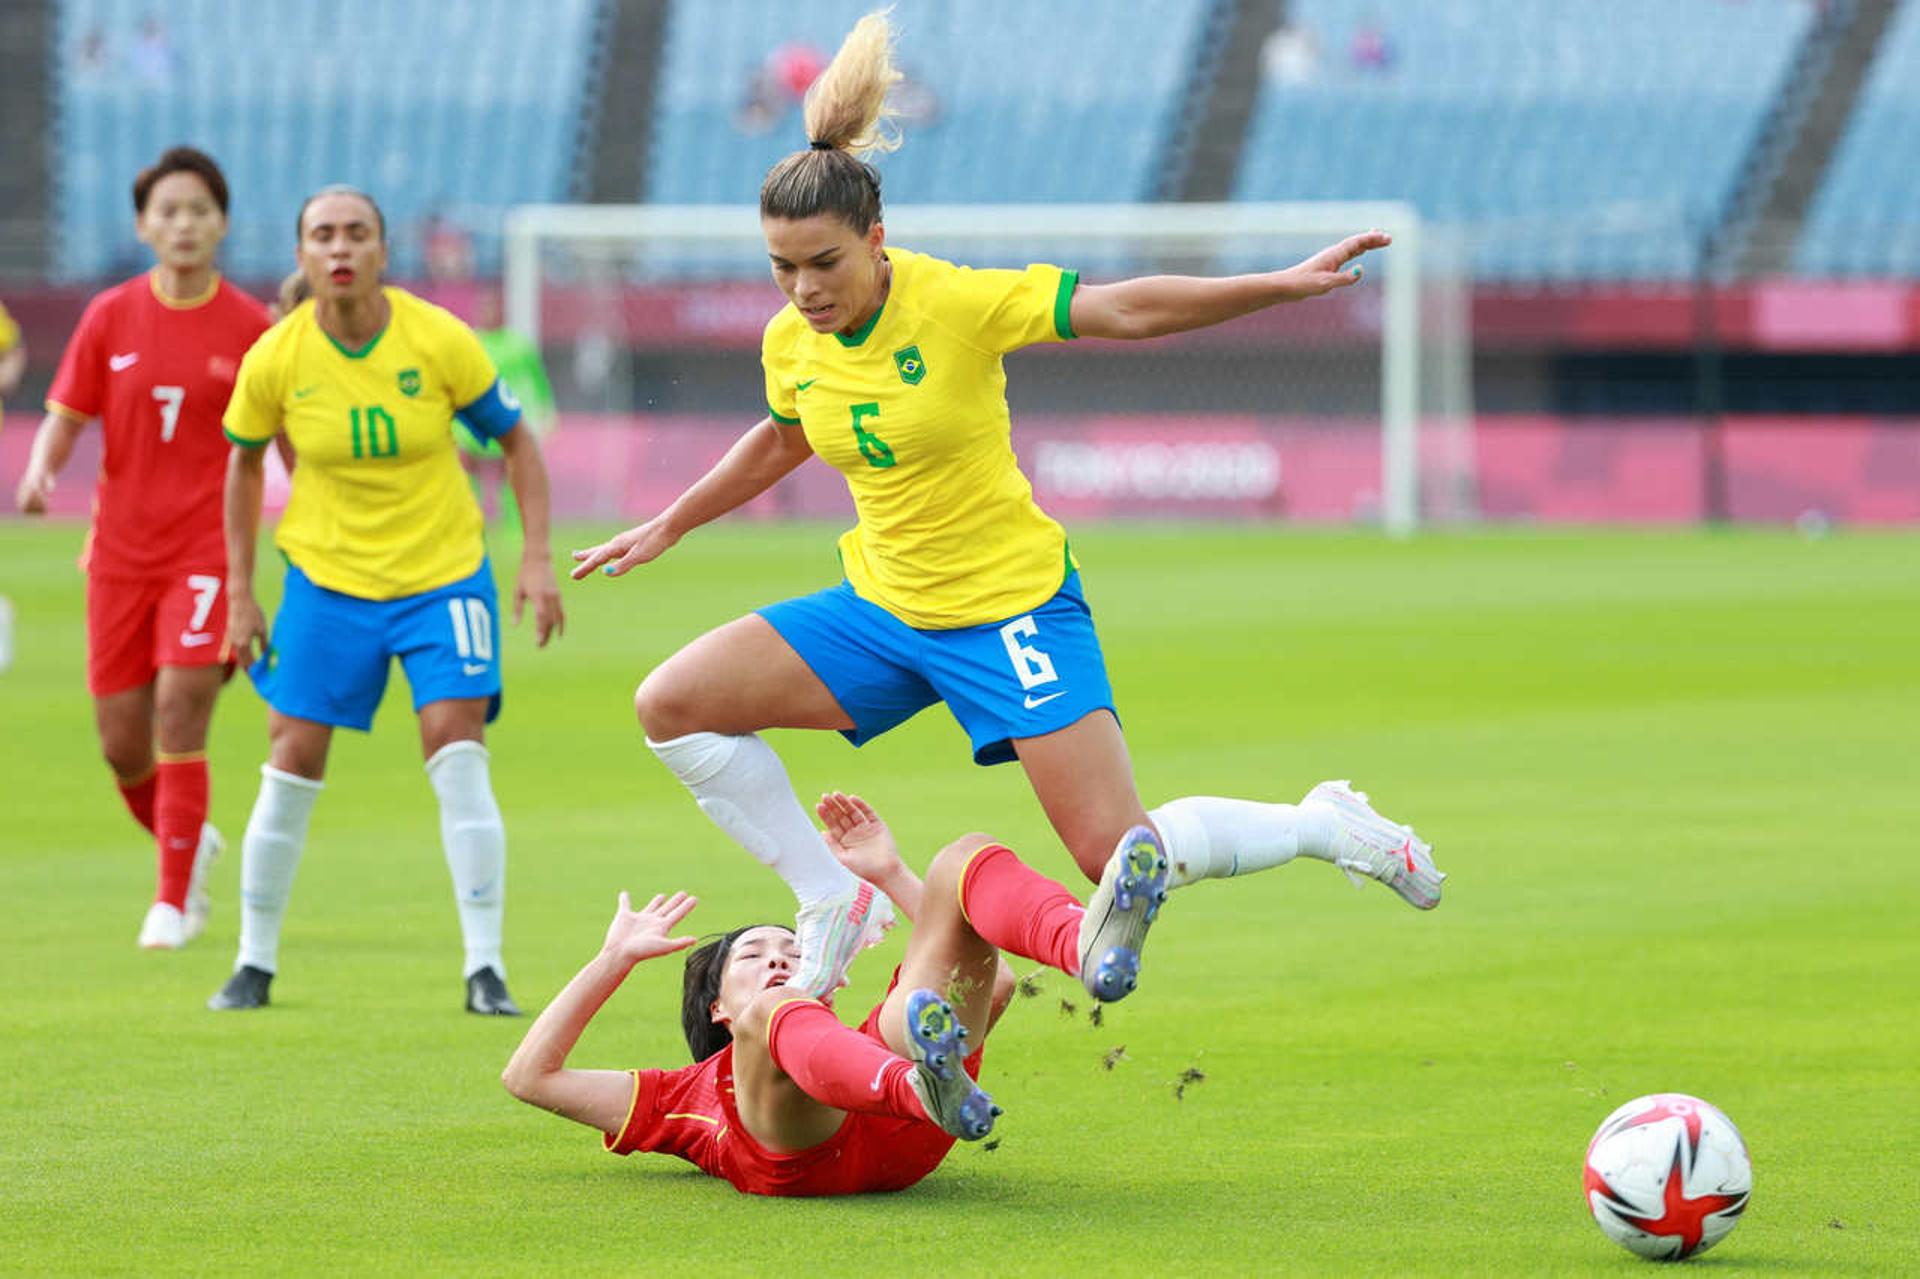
[{"x": 331, "y": 652}]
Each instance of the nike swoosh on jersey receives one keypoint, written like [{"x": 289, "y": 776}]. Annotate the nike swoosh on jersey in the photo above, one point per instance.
[
  {"x": 190, "y": 640},
  {"x": 1033, "y": 701},
  {"x": 473, "y": 668},
  {"x": 305, "y": 391},
  {"x": 121, "y": 363},
  {"x": 801, "y": 386}
]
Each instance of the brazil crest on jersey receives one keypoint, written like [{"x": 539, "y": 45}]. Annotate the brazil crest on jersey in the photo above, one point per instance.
[
  {"x": 912, "y": 410},
  {"x": 380, "y": 506}
]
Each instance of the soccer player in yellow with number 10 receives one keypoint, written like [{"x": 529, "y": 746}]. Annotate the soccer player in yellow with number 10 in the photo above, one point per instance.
[
  {"x": 959, "y": 588},
  {"x": 382, "y": 538}
]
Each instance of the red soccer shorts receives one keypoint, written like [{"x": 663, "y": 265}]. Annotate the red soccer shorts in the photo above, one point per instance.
[{"x": 136, "y": 625}]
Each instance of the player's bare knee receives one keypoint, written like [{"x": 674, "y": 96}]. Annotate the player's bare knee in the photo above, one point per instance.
[
  {"x": 130, "y": 759},
  {"x": 666, "y": 705},
  {"x": 950, "y": 862}
]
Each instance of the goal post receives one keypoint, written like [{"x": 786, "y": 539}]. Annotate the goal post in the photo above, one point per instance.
[{"x": 1372, "y": 339}]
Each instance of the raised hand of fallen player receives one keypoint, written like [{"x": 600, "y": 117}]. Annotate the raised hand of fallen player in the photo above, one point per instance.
[
  {"x": 1336, "y": 266},
  {"x": 635, "y": 935},
  {"x": 630, "y": 549},
  {"x": 857, "y": 837}
]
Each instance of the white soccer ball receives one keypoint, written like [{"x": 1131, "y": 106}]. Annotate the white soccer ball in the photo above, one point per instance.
[{"x": 1667, "y": 1176}]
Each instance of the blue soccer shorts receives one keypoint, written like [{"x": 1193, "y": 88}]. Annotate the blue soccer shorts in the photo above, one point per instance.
[
  {"x": 1027, "y": 675},
  {"x": 330, "y": 653}
]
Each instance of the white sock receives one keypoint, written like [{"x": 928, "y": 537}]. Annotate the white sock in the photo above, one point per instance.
[
  {"x": 1209, "y": 838},
  {"x": 476, "y": 843},
  {"x": 742, "y": 787},
  {"x": 269, "y": 854}
]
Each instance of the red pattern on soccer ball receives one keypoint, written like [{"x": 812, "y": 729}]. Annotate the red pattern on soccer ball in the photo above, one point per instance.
[{"x": 1679, "y": 1215}]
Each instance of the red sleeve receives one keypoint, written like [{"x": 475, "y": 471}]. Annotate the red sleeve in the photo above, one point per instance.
[
  {"x": 675, "y": 1112},
  {"x": 79, "y": 388},
  {"x": 640, "y": 1114}
]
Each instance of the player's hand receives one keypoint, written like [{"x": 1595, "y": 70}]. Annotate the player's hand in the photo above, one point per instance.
[
  {"x": 1336, "y": 266},
  {"x": 630, "y": 549},
  {"x": 857, "y": 837},
  {"x": 35, "y": 487},
  {"x": 538, "y": 585},
  {"x": 635, "y": 935},
  {"x": 246, "y": 628}
]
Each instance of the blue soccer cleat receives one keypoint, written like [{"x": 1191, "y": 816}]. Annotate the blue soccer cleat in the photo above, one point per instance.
[
  {"x": 937, "y": 1043},
  {"x": 1122, "y": 908}
]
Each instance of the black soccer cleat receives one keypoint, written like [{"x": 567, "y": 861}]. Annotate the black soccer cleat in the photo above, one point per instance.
[
  {"x": 487, "y": 995},
  {"x": 247, "y": 988}
]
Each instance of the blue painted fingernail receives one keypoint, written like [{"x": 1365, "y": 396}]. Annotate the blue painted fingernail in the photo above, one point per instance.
[
  {"x": 1356, "y": 273},
  {"x": 608, "y": 570}
]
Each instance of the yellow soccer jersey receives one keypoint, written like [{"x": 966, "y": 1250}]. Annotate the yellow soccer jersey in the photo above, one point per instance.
[
  {"x": 380, "y": 506},
  {"x": 912, "y": 410}
]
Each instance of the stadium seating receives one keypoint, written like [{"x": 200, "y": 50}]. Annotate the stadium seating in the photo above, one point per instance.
[
  {"x": 1866, "y": 218},
  {"x": 1569, "y": 145},
  {"x": 1033, "y": 102},
  {"x": 457, "y": 106}
]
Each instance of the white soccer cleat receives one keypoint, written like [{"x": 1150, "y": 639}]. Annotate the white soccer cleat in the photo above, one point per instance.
[
  {"x": 832, "y": 931},
  {"x": 199, "y": 904},
  {"x": 1368, "y": 846},
  {"x": 165, "y": 928}
]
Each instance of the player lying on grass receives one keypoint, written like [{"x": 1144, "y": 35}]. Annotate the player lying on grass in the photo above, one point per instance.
[{"x": 782, "y": 1098}]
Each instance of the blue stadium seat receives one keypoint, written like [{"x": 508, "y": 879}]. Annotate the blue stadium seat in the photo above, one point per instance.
[
  {"x": 1865, "y": 220},
  {"x": 458, "y": 106},
  {"x": 1567, "y": 146},
  {"x": 1037, "y": 102}
]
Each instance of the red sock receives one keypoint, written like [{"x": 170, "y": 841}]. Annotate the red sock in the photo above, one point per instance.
[
  {"x": 837, "y": 1065},
  {"x": 1020, "y": 910},
  {"x": 139, "y": 797},
  {"x": 179, "y": 810}
]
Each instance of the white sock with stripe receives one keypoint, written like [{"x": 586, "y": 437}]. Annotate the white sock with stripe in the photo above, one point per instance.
[
  {"x": 269, "y": 855},
  {"x": 475, "y": 840},
  {"x": 741, "y": 785},
  {"x": 1210, "y": 838}
]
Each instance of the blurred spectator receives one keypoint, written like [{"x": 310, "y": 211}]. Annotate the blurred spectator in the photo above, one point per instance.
[
  {"x": 152, "y": 58},
  {"x": 1371, "y": 51},
  {"x": 448, "y": 249},
  {"x": 777, "y": 85},
  {"x": 92, "y": 59},
  {"x": 13, "y": 357},
  {"x": 1291, "y": 56}
]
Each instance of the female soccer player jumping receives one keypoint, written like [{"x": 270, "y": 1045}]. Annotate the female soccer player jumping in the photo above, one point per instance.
[
  {"x": 782, "y": 1098},
  {"x": 887, "y": 365},
  {"x": 154, "y": 359},
  {"x": 384, "y": 559}
]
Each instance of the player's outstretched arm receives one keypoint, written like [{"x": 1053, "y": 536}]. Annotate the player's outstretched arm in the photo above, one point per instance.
[
  {"x": 538, "y": 1073},
  {"x": 863, "y": 844},
  {"x": 758, "y": 460},
  {"x": 52, "y": 446},
  {"x": 1155, "y": 305},
  {"x": 527, "y": 473}
]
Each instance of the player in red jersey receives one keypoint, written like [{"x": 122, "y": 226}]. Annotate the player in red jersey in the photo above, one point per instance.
[
  {"x": 782, "y": 1098},
  {"x": 154, "y": 359}
]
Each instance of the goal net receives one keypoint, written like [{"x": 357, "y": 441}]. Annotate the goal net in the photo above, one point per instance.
[{"x": 1347, "y": 409}]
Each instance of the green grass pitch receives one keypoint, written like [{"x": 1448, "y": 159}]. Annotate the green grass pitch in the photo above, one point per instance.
[{"x": 1672, "y": 775}]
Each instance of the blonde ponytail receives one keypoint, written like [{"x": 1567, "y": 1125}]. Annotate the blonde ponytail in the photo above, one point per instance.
[
  {"x": 846, "y": 108},
  {"x": 847, "y": 119}
]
